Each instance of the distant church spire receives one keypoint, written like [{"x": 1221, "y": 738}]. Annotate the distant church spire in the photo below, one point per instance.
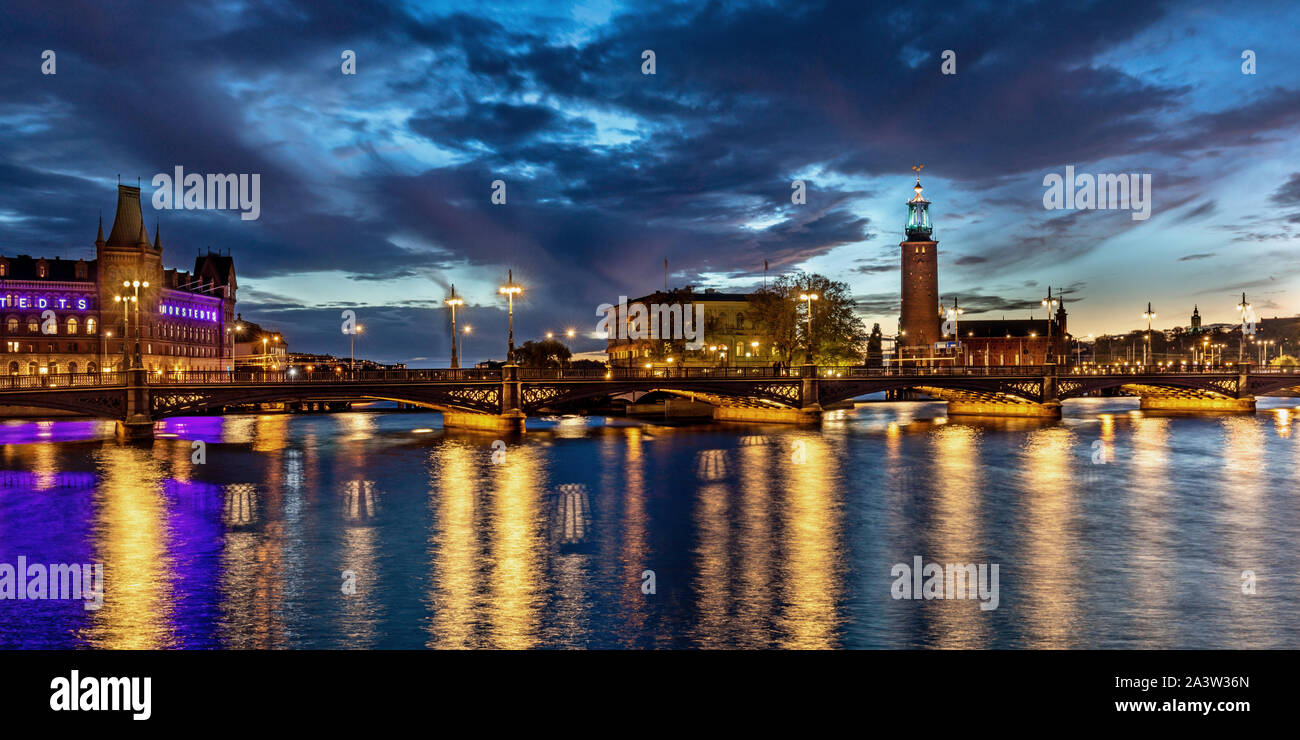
[{"x": 99, "y": 240}]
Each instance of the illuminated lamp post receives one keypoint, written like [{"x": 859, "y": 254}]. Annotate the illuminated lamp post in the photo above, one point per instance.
[
  {"x": 453, "y": 301},
  {"x": 510, "y": 290}
]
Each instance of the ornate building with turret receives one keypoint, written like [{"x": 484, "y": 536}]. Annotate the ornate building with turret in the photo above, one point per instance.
[{"x": 63, "y": 316}]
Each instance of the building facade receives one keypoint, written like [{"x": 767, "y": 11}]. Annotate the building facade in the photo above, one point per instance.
[
  {"x": 257, "y": 347},
  {"x": 732, "y": 336},
  {"x": 63, "y": 316}
]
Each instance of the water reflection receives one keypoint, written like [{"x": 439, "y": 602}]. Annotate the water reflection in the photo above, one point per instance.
[{"x": 352, "y": 531}]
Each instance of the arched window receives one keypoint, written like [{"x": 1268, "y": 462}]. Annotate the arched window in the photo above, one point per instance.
[
  {"x": 72, "y": 367},
  {"x": 13, "y": 368},
  {"x": 91, "y": 367},
  {"x": 91, "y": 325},
  {"x": 32, "y": 368},
  {"x": 33, "y": 326},
  {"x": 72, "y": 324},
  {"x": 54, "y": 368},
  {"x": 12, "y": 324}
]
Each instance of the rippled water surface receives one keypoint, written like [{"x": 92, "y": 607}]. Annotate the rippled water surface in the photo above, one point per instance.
[{"x": 1110, "y": 528}]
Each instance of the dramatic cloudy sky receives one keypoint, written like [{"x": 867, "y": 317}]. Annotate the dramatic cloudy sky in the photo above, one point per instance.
[{"x": 376, "y": 187}]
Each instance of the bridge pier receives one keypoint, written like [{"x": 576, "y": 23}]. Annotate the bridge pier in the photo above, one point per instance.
[
  {"x": 1047, "y": 410},
  {"x": 138, "y": 424},
  {"x": 511, "y": 417},
  {"x": 507, "y": 422},
  {"x": 808, "y": 412},
  {"x": 1188, "y": 404},
  {"x": 769, "y": 415}
]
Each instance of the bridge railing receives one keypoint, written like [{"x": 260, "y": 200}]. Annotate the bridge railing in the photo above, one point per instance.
[
  {"x": 294, "y": 375},
  {"x": 299, "y": 375},
  {"x": 60, "y": 380}
]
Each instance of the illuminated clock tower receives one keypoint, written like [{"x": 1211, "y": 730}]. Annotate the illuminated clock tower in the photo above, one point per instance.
[{"x": 920, "y": 270}]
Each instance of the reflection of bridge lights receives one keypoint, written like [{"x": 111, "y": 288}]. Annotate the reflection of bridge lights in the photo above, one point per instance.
[{"x": 422, "y": 430}]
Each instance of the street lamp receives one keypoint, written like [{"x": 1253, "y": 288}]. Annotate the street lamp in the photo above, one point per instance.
[
  {"x": 352, "y": 345},
  {"x": 809, "y": 298},
  {"x": 953, "y": 313},
  {"x": 1244, "y": 310},
  {"x": 453, "y": 301},
  {"x": 1050, "y": 304},
  {"x": 1146, "y": 350},
  {"x": 135, "y": 285},
  {"x": 510, "y": 290}
]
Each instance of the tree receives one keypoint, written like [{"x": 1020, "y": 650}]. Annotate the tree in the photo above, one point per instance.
[
  {"x": 543, "y": 353},
  {"x": 838, "y": 334}
]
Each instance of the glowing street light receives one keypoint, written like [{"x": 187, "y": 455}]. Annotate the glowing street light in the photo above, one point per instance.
[
  {"x": 1146, "y": 349},
  {"x": 352, "y": 346},
  {"x": 453, "y": 301},
  {"x": 510, "y": 290},
  {"x": 809, "y": 298}
]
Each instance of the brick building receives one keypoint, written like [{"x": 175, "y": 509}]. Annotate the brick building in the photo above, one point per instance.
[{"x": 66, "y": 316}]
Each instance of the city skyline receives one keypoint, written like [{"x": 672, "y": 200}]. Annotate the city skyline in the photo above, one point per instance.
[{"x": 377, "y": 186}]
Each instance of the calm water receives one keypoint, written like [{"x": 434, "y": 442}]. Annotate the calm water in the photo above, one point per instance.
[{"x": 757, "y": 536}]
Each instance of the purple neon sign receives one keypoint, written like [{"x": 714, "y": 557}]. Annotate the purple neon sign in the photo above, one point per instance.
[
  {"x": 188, "y": 312},
  {"x": 41, "y": 302}
]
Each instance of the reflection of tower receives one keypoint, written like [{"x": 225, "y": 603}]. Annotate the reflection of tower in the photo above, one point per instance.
[
  {"x": 711, "y": 465},
  {"x": 241, "y": 504},
  {"x": 359, "y": 504},
  {"x": 573, "y": 513},
  {"x": 920, "y": 270}
]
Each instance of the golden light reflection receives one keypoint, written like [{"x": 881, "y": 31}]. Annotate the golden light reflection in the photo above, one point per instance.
[
  {"x": 1245, "y": 522},
  {"x": 713, "y": 565},
  {"x": 810, "y": 533},
  {"x": 130, "y": 540},
  {"x": 1050, "y": 576},
  {"x": 252, "y": 572},
  {"x": 1282, "y": 422},
  {"x": 634, "y": 555},
  {"x": 757, "y": 546},
  {"x": 271, "y": 432},
  {"x": 454, "y": 548},
  {"x": 955, "y": 536},
  {"x": 516, "y": 547},
  {"x": 1150, "y": 518}
]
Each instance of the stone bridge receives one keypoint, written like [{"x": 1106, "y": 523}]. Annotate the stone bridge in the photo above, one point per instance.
[{"x": 501, "y": 398}]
